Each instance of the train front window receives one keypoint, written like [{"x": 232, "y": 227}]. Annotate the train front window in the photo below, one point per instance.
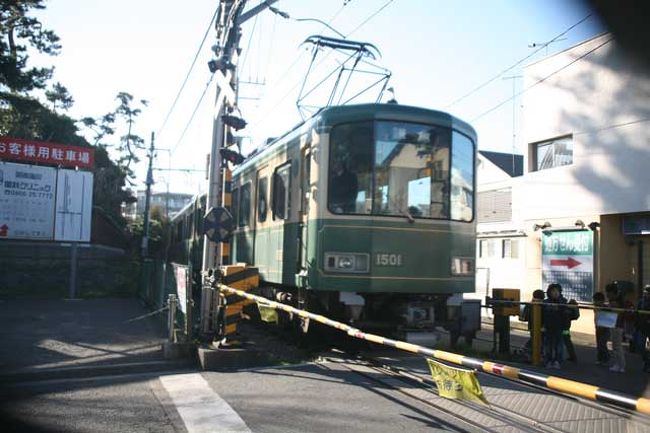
[
  {"x": 412, "y": 170},
  {"x": 350, "y": 175}
]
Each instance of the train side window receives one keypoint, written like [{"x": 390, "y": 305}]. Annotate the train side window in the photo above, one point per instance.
[
  {"x": 245, "y": 205},
  {"x": 235, "y": 206},
  {"x": 304, "y": 199},
  {"x": 262, "y": 201},
  {"x": 281, "y": 192}
]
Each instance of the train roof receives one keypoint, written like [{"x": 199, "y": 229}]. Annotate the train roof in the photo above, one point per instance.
[{"x": 330, "y": 116}]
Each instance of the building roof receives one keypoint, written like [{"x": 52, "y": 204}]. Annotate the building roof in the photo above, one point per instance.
[{"x": 505, "y": 162}]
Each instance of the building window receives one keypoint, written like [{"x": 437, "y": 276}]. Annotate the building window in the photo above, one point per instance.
[
  {"x": 487, "y": 248},
  {"x": 510, "y": 248},
  {"x": 553, "y": 153}
]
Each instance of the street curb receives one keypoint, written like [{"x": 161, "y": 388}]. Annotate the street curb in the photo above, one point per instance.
[{"x": 34, "y": 374}]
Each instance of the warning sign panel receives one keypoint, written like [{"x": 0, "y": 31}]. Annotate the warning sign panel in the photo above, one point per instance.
[
  {"x": 568, "y": 259},
  {"x": 27, "y": 197}
]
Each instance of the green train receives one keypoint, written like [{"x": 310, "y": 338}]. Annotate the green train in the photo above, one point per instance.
[{"x": 362, "y": 212}]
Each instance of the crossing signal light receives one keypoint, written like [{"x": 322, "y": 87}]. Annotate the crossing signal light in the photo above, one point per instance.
[
  {"x": 234, "y": 122},
  {"x": 232, "y": 156}
]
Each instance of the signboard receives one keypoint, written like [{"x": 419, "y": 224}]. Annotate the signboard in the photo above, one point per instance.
[
  {"x": 456, "y": 383},
  {"x": 568, "y": 259},
  {"x": 74, "y": 203},
  {"x": 27, "y": 198},
  {"x": 31, "y": 151},
  {"x": 181, "y": 275}
]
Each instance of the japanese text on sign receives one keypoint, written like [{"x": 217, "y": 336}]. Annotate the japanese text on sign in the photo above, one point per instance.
[{"x": 47, "y": 153}]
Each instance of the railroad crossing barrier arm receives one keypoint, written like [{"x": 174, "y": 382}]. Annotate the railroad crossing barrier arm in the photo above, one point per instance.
[{"x": 566, "y": 386}]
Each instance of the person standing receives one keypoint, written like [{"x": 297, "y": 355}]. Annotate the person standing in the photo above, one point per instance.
[
  {"x": 553, "y": 319},
  {"x": 527, "y": 316},
  {"x": 616, "y": 333},
  {"x": 570, "y": 314},
  {"x": 602, "y": 333},
  {"x": 643, "y": 327}
]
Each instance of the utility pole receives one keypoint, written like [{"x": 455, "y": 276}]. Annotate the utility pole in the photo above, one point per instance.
[
  {"x": 147, "y": 201},
  {"x": 228, "y": 26}
]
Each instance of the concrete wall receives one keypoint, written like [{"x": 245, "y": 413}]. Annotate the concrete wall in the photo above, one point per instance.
[{"x": 42, "y": 269}]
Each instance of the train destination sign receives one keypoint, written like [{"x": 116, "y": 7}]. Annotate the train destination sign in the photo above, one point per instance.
[
  {"x": 568, "y": 259},
  {"x": 31, "y": 151}
]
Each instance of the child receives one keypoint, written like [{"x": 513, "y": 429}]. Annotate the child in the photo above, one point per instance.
[
  {"x": 602, "y": 333},
  {"x": 553, "y": 319}
]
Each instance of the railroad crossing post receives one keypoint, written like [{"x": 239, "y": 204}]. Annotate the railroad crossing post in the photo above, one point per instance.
[
  {"x": 171, "y": 303},
  {"x": 228, "y": 26}
]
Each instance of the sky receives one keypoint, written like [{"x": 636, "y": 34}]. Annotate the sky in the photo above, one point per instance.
[{"x": 436, "y": 51}]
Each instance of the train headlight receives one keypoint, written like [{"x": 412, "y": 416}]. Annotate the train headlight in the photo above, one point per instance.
[
  {"x": 347, "y": 262},
  {"x": 462, "y": 266}
]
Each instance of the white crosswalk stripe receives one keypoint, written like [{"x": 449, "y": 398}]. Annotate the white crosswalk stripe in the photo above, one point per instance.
[{"x": 201, "y": 409}]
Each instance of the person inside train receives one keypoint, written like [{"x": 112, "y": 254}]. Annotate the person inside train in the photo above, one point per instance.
[{"x": 343, "y": 188}]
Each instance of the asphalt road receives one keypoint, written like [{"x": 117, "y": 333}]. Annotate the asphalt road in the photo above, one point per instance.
[{"x": 306, "y": 398}]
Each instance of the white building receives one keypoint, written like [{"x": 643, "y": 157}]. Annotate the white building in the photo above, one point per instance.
[
  {"x": 170, "y": 203},
  {"x": 582, "y": 205}
]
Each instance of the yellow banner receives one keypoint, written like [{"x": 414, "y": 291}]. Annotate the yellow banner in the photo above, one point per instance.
[
  {"x": 267, "y": 314},
  {"x": 456, "y": 383}
]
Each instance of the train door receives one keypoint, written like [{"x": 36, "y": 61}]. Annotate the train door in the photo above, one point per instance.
[
  {"x": 262, "y": 224},
  {"x": 303, "y": 211}
]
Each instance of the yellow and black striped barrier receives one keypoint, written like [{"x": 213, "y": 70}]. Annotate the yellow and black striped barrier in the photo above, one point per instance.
[
  {"x": 242, "y": 278},
  {"x": 567, "y": 386},
  {"x": 227, "y": 203}
]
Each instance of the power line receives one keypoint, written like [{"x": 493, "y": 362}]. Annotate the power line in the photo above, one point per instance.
[
  {"x": 187, "y": 76},
  {"x": 613, "y": 126},
  {"x": 370, "y": 17},
  {"x": 476, "y": 89},
  {"x": 189, "y": 122},
  {"x": 541, "y": 80}
]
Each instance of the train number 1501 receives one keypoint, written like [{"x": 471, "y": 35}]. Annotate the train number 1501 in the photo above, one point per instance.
[{"x": 388, "y": 259}]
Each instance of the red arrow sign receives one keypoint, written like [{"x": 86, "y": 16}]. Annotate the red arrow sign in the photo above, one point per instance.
[{"x": 569, "y": 263}]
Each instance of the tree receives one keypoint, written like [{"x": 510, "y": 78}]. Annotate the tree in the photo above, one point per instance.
[
  {"x": 18, "y": 31},
  {"x": 130, "y": 141},
  {"x": 58, "y": 94}
]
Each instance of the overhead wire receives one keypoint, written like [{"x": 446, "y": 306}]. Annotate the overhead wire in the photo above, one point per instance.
[
  {"x": 519, "y": 62},
  {"x": 187, "y": 76},
  {"x": 248, "y": 45},
  {"x": 189, "y": 122},
  {"x": 577, "y": 59},
  {"x": 364, "y": 22}
]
